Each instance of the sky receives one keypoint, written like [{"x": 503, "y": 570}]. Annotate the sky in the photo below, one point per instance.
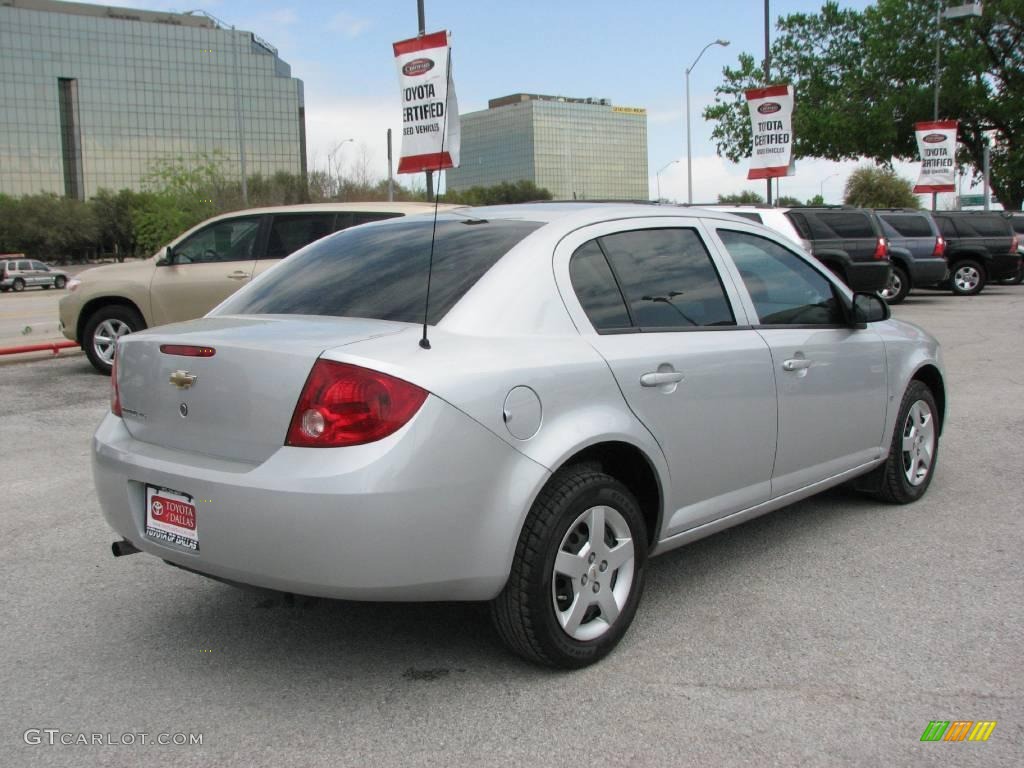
[{"x": 633, "y": 53}]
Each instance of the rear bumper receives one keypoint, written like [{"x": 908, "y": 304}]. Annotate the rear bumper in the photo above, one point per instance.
[
  {"x": 929, "y": 271},
  {"x": 432, "y": 512},
  {"x": 1003, "y": 267},
  {"x": 867, "y": 276}
]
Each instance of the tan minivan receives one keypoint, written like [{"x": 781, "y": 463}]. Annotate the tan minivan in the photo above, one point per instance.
[{"x": 200, "y": 269}]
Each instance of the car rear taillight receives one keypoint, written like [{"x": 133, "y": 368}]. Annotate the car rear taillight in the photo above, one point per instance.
[
  {"x": 115, "y": 393},
  {"x": 881, "y": 249},
  {"x": 344, "y": 404},
  {"x": 939, "y": 252}
]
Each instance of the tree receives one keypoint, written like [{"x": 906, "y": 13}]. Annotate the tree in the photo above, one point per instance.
[
  {"x": 746, "y": 197},
  {"x": 874, "y": 187},
  {"x": 863, "y": 78},
  {"x": 788, "y": 201},
  {"x": 114, "y": 217},
  {"x": 505, "y": 192}
]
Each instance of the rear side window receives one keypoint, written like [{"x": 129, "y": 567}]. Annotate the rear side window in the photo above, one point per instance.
[
  {"x": 832, "y": 225},
  {"x": 380, "y": 272},
  {"x": 667, "y": 278},
  {"x": 908, "y": 225},
  {"x": 983, "y": 226},
  {"x": 595, "y": 286},
  {"x": 292, "y": 231},
  {"x": 946, "y": 227}
]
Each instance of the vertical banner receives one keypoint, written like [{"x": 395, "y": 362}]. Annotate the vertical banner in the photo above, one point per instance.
[
  {"x": 771, "y": 119},
  {"x": 430, "y": 111},
  {"x": 936, "y": 142}
]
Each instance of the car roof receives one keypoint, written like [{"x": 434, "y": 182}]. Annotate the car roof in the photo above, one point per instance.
[
  {"x": 582, "y": 212},
  {"x": 363, "y": 207}
]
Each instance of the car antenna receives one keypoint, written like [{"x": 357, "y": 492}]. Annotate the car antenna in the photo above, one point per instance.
[{"x": 425, "y": 342}]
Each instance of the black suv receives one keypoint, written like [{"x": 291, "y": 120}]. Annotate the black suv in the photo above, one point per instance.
[
  {"x": 849, "y": 241},
  {"x": 980, "y": 246},
  {"x": 916, "y": 249}
]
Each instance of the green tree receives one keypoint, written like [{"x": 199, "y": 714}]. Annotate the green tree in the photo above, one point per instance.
[
  {"x": 499, "y": 194},
  {"x": 788, "y": 201},
  {"x": 863, "y": 78},
  {"x": 816, "y": 200},
  {"x": 746, "y": 197},
  {"x": 875, "y": 187},
  {"x": 114, "y": 217}
]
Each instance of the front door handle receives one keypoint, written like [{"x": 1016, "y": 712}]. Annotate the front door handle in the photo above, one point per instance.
[
  {"x": 239, "y": 275},
  {"x": 661, "y": 378},
  {"x": 796, "y": 364}
]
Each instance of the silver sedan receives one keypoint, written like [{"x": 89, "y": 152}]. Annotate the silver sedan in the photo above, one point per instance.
[{"x": 584, "y": 386}]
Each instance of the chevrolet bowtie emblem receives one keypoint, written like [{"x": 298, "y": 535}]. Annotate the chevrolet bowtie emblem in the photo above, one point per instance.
[{"x": 183, "y": 379}]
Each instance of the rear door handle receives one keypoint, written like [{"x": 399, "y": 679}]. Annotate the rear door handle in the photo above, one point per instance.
[
  {"x": 661, "y": 378},
  {"x": 796, "y": 364},
  {"x": 239, "y": 275}
]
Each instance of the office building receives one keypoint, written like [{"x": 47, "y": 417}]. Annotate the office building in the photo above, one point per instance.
[
  {"x": 93, "y": 95},
  {"x": 574, "y": 148}
]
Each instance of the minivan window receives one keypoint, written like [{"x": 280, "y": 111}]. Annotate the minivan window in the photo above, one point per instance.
[
  {"x": 668, "y": 278},
  {"x": 292, "y": 231},
  {"x": 595, "y": 287},
  {"x": 380, "y": 272},
  {"x": 908, "y": 225}
]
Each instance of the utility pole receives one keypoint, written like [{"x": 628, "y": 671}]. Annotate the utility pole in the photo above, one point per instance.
[
  {"x": 423, "y": 30},
  {"x": 986, "y": 172},
  {"x": 391, "y": 178},
  {"x": 767, "y": 72},
  {"x": 938, "y": 53}
]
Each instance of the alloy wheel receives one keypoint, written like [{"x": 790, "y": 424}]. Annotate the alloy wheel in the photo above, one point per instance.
[
  {"x": 893, "y": 287},
  {"x": 104, "y": 340},
  {"x": 967, "y": 278},
  {"x": 593, "y": 573},
  {"x": 918, "y": 442}
]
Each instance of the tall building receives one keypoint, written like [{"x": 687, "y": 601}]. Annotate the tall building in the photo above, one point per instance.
[
  {"x": 574, "y": 148},
  {"x": 91, "y": 96}
]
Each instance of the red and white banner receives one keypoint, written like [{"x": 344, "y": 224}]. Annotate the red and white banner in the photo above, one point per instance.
[
  {"x": 430, "y": 111},
  {"x": 771, "y": 118},
  {"x": 936, "y": 141}
]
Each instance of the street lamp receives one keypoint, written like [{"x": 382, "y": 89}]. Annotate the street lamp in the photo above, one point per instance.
[
  {"x": 658, "y": 175},
  {"x": 821, "y": 187},
  {"x": 689, "y": 160}
]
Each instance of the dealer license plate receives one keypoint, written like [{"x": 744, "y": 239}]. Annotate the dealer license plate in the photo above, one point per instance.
[{"x": 171, "y": 517}]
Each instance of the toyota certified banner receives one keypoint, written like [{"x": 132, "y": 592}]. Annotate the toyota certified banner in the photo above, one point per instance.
[
  {"x": 937, "y": 143},
  {"x": 430, "y": 112},
  {"x": 771, "y": 117}
]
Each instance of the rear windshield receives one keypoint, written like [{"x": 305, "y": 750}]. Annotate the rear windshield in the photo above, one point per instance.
[
  {"x": 832, "y": 225},
  {"x": 908, "y": 225},
  {"x": 380, "y": 271}
]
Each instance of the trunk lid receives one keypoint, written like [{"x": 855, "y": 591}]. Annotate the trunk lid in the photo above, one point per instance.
[{"x": 240, "y": 403}]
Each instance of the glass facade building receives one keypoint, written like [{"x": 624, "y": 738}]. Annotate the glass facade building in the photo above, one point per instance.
[
  {"x": 575, "y": 148},
  {"x": 91, "y": 96}
]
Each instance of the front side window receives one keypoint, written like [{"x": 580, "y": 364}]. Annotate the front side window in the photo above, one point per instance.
[
  {"x": 380, "y": 272},
  {"x": 784, "y": 288},
  {"x": 668, "y": 279},
  {"x": 228, "y": 240},
  {"x": 292, "y": 231}
]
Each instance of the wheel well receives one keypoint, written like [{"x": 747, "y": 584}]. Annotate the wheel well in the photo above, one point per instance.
[
  {"x": 929, "y": 376},
  {"x": 628, "y": 464},
  {"x": 93, "y": 305}
]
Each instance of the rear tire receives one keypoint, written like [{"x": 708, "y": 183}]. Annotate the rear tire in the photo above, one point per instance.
[
  {"x": 967, "y": 278},
  {"x": 914, "y": 451},
  {"x": 898, "y": 288},
  {"x": 573, "y": 590},
  {"x": 18, "y": 285},
  {"x": 101, "y": 331}
]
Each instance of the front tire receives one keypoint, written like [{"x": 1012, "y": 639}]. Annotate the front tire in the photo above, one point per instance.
[
  {"x": 967, "y": 278},
  {"x": 578, "y": 571},
  {"x": 897, "y": 288},
  {"x": 102, "y": 330},
  {"x": 914, "y": 450},
  {"x": 60, "y": 282}
]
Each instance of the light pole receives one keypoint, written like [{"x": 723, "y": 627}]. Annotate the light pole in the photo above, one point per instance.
[
  {"x": 821, "y": 187},
  {"x": 658, "y": 175},
  {"x": 689, "y": 158}
]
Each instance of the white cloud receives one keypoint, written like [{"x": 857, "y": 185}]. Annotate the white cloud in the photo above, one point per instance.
[{"x": 349, "y": 25}]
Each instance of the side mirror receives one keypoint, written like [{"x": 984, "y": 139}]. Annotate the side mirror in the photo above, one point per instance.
[
  {"x": 868, "y": 308},
  {"x": 166, "y": 258}
]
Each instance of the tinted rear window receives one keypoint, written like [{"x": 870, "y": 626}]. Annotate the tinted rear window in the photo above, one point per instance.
[
  {"x": 380, "y": 272},
  {"x": 832, "y": 225},
  {"x": 983, "y": 226},
  {"x": 908, "y": 225}
]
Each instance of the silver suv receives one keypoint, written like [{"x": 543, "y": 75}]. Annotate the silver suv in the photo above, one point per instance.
[{"x": 19, "y": 274}]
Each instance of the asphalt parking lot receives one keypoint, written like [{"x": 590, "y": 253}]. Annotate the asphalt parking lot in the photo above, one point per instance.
[{"x": 828, "y": 633}]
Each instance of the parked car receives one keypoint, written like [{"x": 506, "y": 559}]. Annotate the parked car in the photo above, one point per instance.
[
  {"x": 917, "y": 251},
  {"x": 19, "y": 274},
  {"x": 591, "y": 385},
  {"x": 980, "y": 246},
  {"x": 200, "y": 269},
  {"x": 773, "y": 218},
  {"x": 1017, "y": 222}
]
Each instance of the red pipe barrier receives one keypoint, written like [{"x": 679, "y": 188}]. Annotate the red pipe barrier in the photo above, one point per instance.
[{"x": 52, "y": 346}]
